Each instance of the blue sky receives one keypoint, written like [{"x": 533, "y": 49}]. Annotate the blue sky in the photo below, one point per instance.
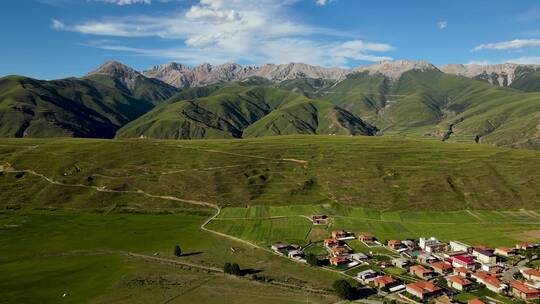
[{"x": 51, "y": 39}]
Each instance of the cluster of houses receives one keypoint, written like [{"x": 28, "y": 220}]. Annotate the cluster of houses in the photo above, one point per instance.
[
  {"x": 428, "y": 262},
  {"x": 463, "y": 267}
]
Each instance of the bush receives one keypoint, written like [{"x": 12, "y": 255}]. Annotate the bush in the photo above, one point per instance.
[
  {"x": 344, "y": 289},
  {"x": 312, "y": 259},
  {"x": 235, "y": 269},
  {"x": 227, "y": 268},
  {"x": 177, "y": 251}
]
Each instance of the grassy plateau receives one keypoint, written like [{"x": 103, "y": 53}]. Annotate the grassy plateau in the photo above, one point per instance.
[{"x": 96, "y": 221}]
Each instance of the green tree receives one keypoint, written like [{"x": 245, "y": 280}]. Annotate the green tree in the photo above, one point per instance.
[
  {"x": 442, "y": 282},
  {"x": 227, "y": 268},
  {"x": 312, "y": 259},
  {"x": 344, "y": 289},
  {"x": 177, "y": 251},
  {"x": 235, "y": 269}
]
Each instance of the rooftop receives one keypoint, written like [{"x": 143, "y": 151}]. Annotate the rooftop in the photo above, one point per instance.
[{"x": 424, "y": 286}]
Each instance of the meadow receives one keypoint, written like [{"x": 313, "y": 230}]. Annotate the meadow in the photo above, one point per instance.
[
  {"x": 477, "y": 227},
  {"x": 45, "y": 254}
]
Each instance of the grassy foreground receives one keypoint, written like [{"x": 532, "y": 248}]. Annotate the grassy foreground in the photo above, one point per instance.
[
  {"x": 46, "y": 254},
  {"x": 75, "y": 211}
]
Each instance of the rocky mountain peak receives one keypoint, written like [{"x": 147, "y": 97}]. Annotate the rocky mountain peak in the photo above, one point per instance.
[
  {"x": 500, "y": 74},
  {"x": 394, "y": 69},
  {"x": 121, "y": 72}
]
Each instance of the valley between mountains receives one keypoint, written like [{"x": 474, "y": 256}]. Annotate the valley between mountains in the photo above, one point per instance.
[{"x": 495, "y": 105}]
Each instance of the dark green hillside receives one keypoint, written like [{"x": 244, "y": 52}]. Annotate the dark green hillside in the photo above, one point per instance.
[
  {"x": 375, "y": 172},
  {"x": 241, "y": 110},
  {"x": 529, "y": 82},
  {"x": 147, "y": 89},
  {"x": 443, "y": 106},
  {"x": 68, "y": 107}
]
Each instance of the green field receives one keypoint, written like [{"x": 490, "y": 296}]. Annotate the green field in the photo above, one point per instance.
[
  {"x": 74, "y": 210},
  {"x": 475, "y": 227},
  {"x": 45, "y": 254}
]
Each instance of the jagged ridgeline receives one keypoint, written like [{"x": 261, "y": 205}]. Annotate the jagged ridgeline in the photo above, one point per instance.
[{"x": 457, "y": 103}]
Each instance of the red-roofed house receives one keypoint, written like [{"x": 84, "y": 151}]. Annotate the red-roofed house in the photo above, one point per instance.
[
  {"x": 424, "y": 290},
  {"x": 422, "y": 272},
  {"x": 340, "y": 251},
  {"x": 329, "y": 243},
  {"x": 396, "y": 244},
  {"x": 524, "y": 246},
  {"x": 335, "y": 261},
  {"x": 338, "y": 234},
  {"x": 489, "y": 280},
  {"x": 475, "y": 301},
  {"x": 505, "y": 251},
  {"x": 531, "y": 274},
  {"x": 462, "y": 272},
  {"x": 385, "y": 282},
  {"x": 523, "y": 291},
  {"x": 441, "y": 267},
  {"x": 366, "y": 238},
  {"x": 463, "y": 261},
  {"x": 458, "y": 282}
]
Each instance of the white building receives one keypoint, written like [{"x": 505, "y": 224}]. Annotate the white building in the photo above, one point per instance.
[{"x": 459, "y": 246}]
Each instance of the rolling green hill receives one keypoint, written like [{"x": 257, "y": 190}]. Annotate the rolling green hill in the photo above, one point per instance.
[
  {"x": 375, "y": 172},
  {"x": 60, "y": 108},
  {"x": 243, "y": 110},
  {"x": 442, "y": 106}
]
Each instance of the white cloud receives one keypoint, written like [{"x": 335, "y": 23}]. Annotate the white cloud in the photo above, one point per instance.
[
  {"x": 508, "y": 45},
  {"x": 442, "y": 24},
  {"x": 126, "y": 2},
  {"x": 57, "y": 25},
  {"x": 323, "y": 2},
  {"x": 235, "y": 30}
]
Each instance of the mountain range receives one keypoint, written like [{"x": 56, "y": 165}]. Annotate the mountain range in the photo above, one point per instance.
[{"x": 497, "y": 104}]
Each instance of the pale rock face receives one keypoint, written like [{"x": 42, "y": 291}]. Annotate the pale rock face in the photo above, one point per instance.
[
  {"x": 394, "y": 69},
  {"x": 498, "y": 74},
  {"x": 181, "y": 76},
  {"x": 125, "y": 74}
]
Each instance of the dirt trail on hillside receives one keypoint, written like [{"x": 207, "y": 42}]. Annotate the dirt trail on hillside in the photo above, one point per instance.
[{"x": 298, "y": 161}]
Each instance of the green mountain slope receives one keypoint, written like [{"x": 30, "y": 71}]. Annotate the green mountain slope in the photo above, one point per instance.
[
  {"x": 242, "y": 110},
  {"x": 69, "y": 107},
  {"x": 130, "y": 82},
  {"x": 443, "y": 106}
]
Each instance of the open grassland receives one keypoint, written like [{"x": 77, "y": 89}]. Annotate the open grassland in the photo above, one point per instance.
[
  {"x": 476, "y": 227},
  {"x": 379, "y": 173},
  {"x": 44, "y": 254}
]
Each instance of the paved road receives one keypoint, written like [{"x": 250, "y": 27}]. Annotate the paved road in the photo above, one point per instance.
[{"x": 509, "y": 274}]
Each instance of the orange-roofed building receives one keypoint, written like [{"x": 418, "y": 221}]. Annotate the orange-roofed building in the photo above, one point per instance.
[
  {"x": 531, "y": 274},
  {"x": 475, "y": 301},
  {"x": 505, "y": 251},
  {"x": 385, "y": 282},
  {"x": 422, "y": 272},
  {"x": 336, "y": 261},
  {"x": 329, "y": 243},
  {"x": 459, "y": 283},
  {"x": 340, "y": 251},
  {"x": 338, "y": 234},
  {"x": 462, "y": 271},
  {"x": 441, "y": 267},
  {"x": 366, "y": 237},
  {"x": 424, "y": 290},
  {"x": 523, "y": 291}
]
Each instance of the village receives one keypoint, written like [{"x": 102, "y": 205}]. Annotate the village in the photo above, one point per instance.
[{"x": 427, "y": 269}]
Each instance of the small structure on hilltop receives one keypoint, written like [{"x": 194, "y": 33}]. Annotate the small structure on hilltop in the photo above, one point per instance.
[
  {"x": 319, "y": 219},
  {"x": 281, "y": 247}
]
